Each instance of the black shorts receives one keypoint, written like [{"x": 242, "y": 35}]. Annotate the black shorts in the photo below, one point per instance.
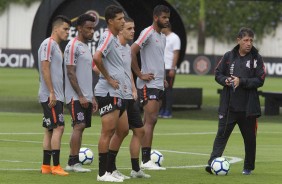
[
  {"x": 54, "y": 116},
  {"x": 146, "y": 94},
  {"x": 80, "y": 114},
  {"x": 133, "y": 114},
  {"x": 108, "y": 104}
]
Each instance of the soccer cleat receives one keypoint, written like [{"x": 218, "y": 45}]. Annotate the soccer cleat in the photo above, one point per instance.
[
  {"x": 46, "y": 169},
  {"x": 139, "y": 174},
  {"x": 151, "y": 166},
  {"x": 208, "y": 169},
  {"x": 247, "y": 172},
  {"x": 58, "y": 170},
  {"x": 108, "y": 177},
  {"x": 69, "y": 168},
  {"x": 167, "y": 114},
  {"x": 77, "y": 168},
  {"x": 119, "y": 175}
]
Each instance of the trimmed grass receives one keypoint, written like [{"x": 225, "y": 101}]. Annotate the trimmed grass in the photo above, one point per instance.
[
  {"x": 185, "y": 141},
  {"x": 185, "y": 144},
  {"x": 19, "y": 89}
]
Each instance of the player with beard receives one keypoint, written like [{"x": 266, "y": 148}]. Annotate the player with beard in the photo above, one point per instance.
[
  {"x": 78, "y": 90},
  {"x": 151, "y": 78}
]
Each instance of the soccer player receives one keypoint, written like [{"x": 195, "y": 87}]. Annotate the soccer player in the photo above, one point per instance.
[
  {"x": 109, "y": 91},
  {"x": 79, "y": 92},
  {"x": 133, "y": 112},
  {"x": 171, "y": 55},
  {"x": 150, "y": 82},
  {"x": 51, "y": 94}
]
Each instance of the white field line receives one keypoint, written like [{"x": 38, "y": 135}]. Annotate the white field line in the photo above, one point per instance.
[
  {"x": 231, "y": 159},
  {"x": 156, "y": 134}
]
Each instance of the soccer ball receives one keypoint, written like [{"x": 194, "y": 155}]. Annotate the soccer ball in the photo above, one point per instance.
[
  {"x": 157, "y": 157},
  {"x": 86, "y": 156},
  {"x": 220, "y": 166}
]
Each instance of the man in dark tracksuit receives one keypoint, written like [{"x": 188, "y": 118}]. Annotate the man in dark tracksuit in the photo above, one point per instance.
[{"x": 241, "y": 71}]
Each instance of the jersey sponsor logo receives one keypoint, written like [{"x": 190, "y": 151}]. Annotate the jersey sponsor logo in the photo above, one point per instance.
[
  {"x": 80, "y": 116},
  {"x": 153, "y": 97},
  {"x": 105, "y": 109}
]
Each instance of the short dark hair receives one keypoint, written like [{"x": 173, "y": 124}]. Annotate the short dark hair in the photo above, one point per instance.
[
  {"x": 244, "y": 31},
  {"x": 83, "y": 18},
  {"x": 59, "y": 20},
  {"x": 111, "y": 12},
  {"x": 159, "y": 9},
  {"x": 128, "y": 19}
]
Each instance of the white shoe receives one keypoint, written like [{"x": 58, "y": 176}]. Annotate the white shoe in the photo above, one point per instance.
[
  {"x": 139, "y": 174},
  {"x": 151, "y": 166},
  {"x": 78, "y": 168},
  {"x": 69, "y": 168},
  {"x": 108, "y": 177},
  {"x": 119, "y": 175}
]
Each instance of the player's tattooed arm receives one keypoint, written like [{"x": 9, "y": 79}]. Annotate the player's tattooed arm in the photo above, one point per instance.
[{"x": 71, "y": 73}]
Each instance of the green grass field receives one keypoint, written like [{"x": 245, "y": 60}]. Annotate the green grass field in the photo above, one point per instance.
[{"x": 185, "y": 141}]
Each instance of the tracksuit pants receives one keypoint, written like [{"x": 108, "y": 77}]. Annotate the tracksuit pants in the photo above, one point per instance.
[{"x": 248, "y": 128}]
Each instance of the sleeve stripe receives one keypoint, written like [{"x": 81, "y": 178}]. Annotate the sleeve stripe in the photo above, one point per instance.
[
  {"x": 145, "y": 35},
  {"x": 72, "y": 52},
  {"x": 106, "y": 42},
  {"x": 49, "y": 48}
]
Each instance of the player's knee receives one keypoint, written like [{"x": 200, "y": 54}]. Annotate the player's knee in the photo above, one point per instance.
[
  {"x": 79, "y": 127},
  {"x": 139, "y": 132},
  {"x": 122, "y": 133},
  {"x": 60, "y": 129}
]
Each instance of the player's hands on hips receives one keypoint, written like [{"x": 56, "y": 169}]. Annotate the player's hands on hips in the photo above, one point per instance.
[
  {"x": 95, "y": 105},
  {"x": 171, "y": 73},
  {"x": 113, "y": 83},
  {"x": 166, "y": 84},
  {"x": 134, "y": 94},
  {"x": 52, "y": 100},
  {"x": 83, "y": 102},
  {"x": 147, "y": 77}
]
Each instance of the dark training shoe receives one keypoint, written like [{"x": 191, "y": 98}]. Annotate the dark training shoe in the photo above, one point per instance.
[
  {"x": 208, "y": 169},
  {"x": 247, "y": 172}
]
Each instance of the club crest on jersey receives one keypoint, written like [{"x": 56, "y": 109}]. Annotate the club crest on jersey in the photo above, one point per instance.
[
  {"x": 80, "y": 116},
  {"x": 61, "y": 117},
  {"x": 255, "y": 63},
  {"x": 47, "y": 121},
  {"x": 220, "y": 116},
  {"x": 119, "y": 102},
  {"x": 248, "y": 64}
]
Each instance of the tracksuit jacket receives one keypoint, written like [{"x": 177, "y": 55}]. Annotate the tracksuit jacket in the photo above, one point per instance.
[{"x": 250, "y": 80}]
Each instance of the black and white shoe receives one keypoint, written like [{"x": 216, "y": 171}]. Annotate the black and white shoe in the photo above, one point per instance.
[
  {"x": 247, "y": 172},
  {"x": 208, "y": 169}
]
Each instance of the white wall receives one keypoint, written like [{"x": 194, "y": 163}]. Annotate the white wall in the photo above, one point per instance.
[
  {"x": 16, "y": 24},
  {"x": 270, "y": 46},
  {"x": 17, "y": 20}
]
